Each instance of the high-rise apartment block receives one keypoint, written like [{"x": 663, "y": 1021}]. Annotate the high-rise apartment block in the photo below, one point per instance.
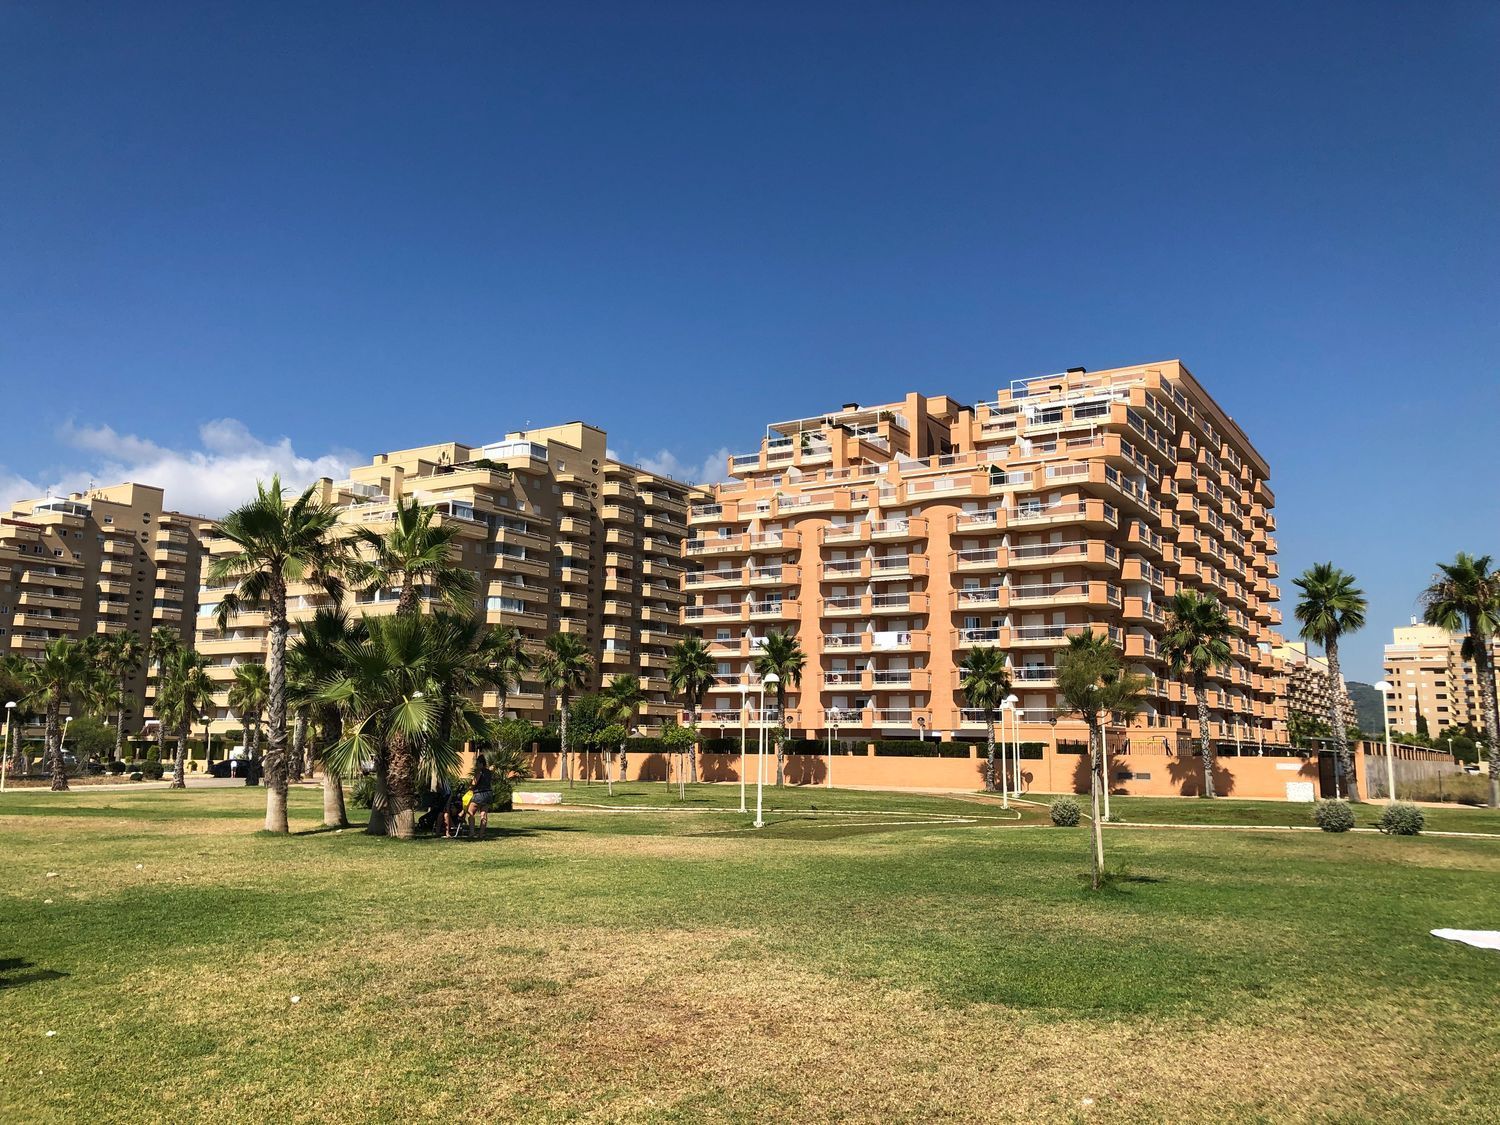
[
  {"x": 1431, "y": 681},
  {"x": 892, "y": 539},
  {"x": 559, "y": 536},
  {"x": 100, "y": 562},
  {"x": 1309, "y": 686}
]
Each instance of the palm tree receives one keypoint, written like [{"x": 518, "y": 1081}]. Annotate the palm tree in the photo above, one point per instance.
[
  {"x": 390, "y": 692},
  {"x": 1196, "y": 642},
  {"x": 51, "y": 680},
  {"x": 690, "y": 671},
  {"x": 247, "y": 698},
  {"x": 277, "y": 544},
  {"x": 1330, "y": 607},
  {"x": 622, "y": 703},
  {"x": 315, "y": 658},
  {"x": 1092, "y": 681},
  {"x": 508, "y": 661},
  {"x": 564, "y": 667},
  {"x": 164, "y": 645},
  {"x": 1465, "y": 594},
  {"x": 188, "y": 691},
  {"x": 417, "y": 549},
  {"x": 985, "y": 682},
  {"x": 122, "y": 655},
  {"x": 783, "y": 655}
]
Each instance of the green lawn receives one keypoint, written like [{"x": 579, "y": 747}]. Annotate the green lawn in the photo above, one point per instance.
[
  {"x": 868, "y": 957},
  {"x": 1192, "y": 810}
]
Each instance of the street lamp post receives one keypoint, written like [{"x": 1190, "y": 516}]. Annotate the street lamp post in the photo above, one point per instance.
[
  {"x": 10, "y": 710},
  {"x": 1006, "y": 708},
  {"x": 1015, "y": 741},
  {"x": 1390, "y": 766},
  {"x": 744, "y": 706},
  {"x": 833, "y": 726},
  {"x": 208, "y": 745},
  {"x": 771, "y": 679}
]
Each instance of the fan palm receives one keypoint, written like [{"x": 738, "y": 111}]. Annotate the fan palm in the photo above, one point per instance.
[
  {"x": 51, "y": 680},
  {"x": 189, "y": 691},
  {"x": 690, "y": 671},
  {"x": 416, "y": 550},
  {"x": 1092, "y": 681},
  {"x": 622, "y": 703},
  {"x": 1196, "y": 642},
  {"x": 782, "y": 654},
  {"x": 985, "y": 682},
  {"x": 313, "y": 659},
  {"x": 564, "y": 667},
  {"x": 505, "y": 650},
  {"x": 1465, "y": 594},
  {"x": 122, "y": 655},
  {"x": 247, "y": 698},
  {"x": 1330, "y": 607},
  {"x": 165, "y": 643},
  {"x": 276, "y": 544}
]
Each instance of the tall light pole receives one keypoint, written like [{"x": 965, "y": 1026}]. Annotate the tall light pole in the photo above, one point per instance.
[
  {"x": 744, "y": 706},
  {"x": 1006, "y": 707},
  {"x": 1015, "y": 741},
  {"x": 10, "y": 711},
  {"x": 1390, "y": 766},
  {"x": 833, "y": 726},
  {"x": 770, "y": 679}
]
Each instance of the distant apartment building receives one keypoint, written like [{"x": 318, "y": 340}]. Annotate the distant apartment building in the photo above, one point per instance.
[
  {"x": 559, "y": 536},
  {"x": 1430, "y": 679},
  {"x": 1309, "y": 686},
  {"x": 100, "y": 562},
  {"x": 892, "y": 539}
]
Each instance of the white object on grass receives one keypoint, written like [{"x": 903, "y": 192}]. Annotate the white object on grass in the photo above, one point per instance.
[{"x": 1480, "y": 939}]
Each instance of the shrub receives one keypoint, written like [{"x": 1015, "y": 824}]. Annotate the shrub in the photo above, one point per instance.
[
  {"x": 115, "y": 767},
  {"x": 908, "y": 748},
  {"x": 152, "y": 770},
  {"x": 153, "y": 754},
  {"x": 1065, "y": 812},
  {"x": 364, "y": 791},
  {"x": 1334, "y": 816},
  {"x": 1401, "y": 818},
  {"x": 135, "y": 776}
]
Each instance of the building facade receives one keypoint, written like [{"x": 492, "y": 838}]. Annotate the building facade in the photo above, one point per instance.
[
  {"x": 559, "y": 536},
  {"x": 890, "y": 540},
  {"x": 1432, "y": 685},
  {"x": 1309, "y": 687},
  {"x": 94, "y": 563}
]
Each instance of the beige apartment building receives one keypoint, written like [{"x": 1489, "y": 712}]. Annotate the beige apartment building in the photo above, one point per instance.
[
  {"x": 892, "y": 539},
  {"x": 560, "y": 536},
  {"x": 98, "y": 562},
  {"x": 1431, "y": 680},
  {"x": 1309, "y": 686}
]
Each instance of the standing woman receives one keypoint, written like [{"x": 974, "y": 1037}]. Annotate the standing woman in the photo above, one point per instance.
[{"x": 483, "y": 794}]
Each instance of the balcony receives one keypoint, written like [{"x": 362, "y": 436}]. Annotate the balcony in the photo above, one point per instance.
[
  {"x": 869, "y": 640},
  {"x": 617, "y": 513},
  {"x": 1087, "y": 512},
  {"x": 989, "y": 519},
  {"x": 51, "y": 577},
  {"x": 972, "y": 559},
  {"x": 1082, "y": 552}
]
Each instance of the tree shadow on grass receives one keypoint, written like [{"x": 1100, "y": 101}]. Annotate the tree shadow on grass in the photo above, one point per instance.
[{"x": 15, "y": 971}]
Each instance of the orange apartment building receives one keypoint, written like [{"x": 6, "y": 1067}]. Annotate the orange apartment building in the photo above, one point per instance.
[
  {"x": 1432, "y": 684},
  {"x": 559, "y": 536},
  {"x": 892, "y": 539},
  {"x": 105, "y": 561}
]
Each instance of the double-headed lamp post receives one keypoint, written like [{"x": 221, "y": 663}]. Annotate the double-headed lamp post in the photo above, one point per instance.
[
  {"x": 10, "y": 711},
  {"x": 1006, "y": 707},
  {"x": 769, "y": 680},
  {"x": 1015, "y": 741},
  {"x": 1390, "y": 766},
  {"x": 833, "y": 726}
]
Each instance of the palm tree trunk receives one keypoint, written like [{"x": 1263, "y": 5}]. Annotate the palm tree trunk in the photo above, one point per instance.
[
  {"x": 1205, "y": 744},
  {"x": 120, "y": 726},
  {"x": 179, "y": 763},
  {"x": 780, "y": 735},
  {"x": 623, "y": 755},
  {"x": 692, "y": 751},
  {"x": 54, "y": 747},
  {"x": 989, "y": 754},
  {"x": 402, "y": 780},
  {"x": 609, "y": 773},
  {"x": 564, "y": 739},
  {"x": 1096, "y": 830},
  {"x": 335, "y": 815},
  {"x": 1484, "y": 666},
  {"x": 1336, "y": 720},
  {"x": 380, "y": 803},
  {"x": 299, "y": 745},
  {"x": 161, "y": 734},
  {"x": 276, "y": 764}
]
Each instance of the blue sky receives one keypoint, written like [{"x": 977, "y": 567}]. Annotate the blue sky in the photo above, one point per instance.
[{"x": 320, "y": 231}]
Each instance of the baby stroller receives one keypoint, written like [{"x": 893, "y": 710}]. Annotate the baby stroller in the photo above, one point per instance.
[{"x": 444, "y": 815}]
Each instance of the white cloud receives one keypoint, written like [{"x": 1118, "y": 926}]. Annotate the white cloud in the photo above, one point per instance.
[
  {"x": 712, "y": 469},
  {"x": 210, "y": 479}
]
